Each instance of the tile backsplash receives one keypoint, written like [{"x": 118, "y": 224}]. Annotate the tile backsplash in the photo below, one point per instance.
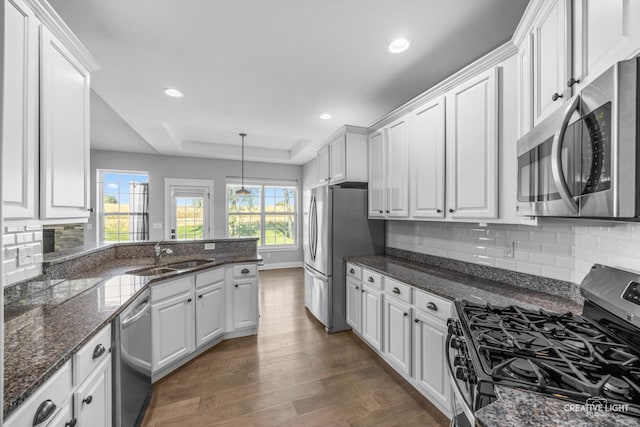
[
  {"x": 22, "y": 253},
  {"x": 559, "y": 249}
]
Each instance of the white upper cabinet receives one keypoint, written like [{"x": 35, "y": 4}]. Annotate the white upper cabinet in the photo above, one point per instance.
[
  {"x": 20, "y": 110},
  {"x": 605, "y": 31},
  {"x": 525, "y": 86},
  {"x": 64, "y": 136},
  {"x": 427, "y": 160},
  {"x": 344, "y": 158},
  {"x": 551, "y": 59},
  {"x": 323, "y": 165},
  {"x": 472, "y": 148},
  {"x": 338, "y": 159},
  {"x": 377, "y": 176},
  {"x": 397, "y": 169}
]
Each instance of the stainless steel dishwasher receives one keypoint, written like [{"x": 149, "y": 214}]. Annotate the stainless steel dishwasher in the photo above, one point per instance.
[{"x": 132, "y": 362}]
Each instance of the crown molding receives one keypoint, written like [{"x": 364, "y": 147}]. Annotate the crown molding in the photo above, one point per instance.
[
  {"x": 50, "y": 18},
  {"x": 491, "y": 59},
  {"x": 526, "y": 22}
]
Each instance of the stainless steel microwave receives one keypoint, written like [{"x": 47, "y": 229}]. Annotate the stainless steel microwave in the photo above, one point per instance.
[{"x": 584, "y": 160}]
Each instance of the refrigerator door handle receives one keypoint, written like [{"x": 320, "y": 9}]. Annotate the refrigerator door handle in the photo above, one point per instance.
[
  {"x": 316, "y": 275},
  {"x": 313, "y": 229}
]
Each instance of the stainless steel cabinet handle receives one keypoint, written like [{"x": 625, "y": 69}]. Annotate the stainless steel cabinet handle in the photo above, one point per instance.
[
  {"x": 556, "y": 96},
  {"x": 432, "y": 306},
  {"x": 98, "y": 351},
  {"x": 88, "y": 400},
  {"x": 245, "y": 271},
  {"x": 45, "y": 410},
  {"x": 396, "y": 290},
  {"x": 371, "y": 279}
]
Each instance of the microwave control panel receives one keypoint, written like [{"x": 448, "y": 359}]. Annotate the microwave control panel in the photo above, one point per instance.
[{"x": 632, "y": 293}]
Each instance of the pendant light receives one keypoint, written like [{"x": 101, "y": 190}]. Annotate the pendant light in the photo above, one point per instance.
[{"x": 242, "y": 191}]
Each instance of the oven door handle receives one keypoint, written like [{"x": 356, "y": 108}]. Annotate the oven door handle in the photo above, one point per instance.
[
  {"x": 556, "y": 157},
  {"x": 465, "y": 405}
]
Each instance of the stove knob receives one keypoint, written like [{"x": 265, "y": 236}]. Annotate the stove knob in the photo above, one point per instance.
[
  {"x": 459, "y": 361},
  {"x": 461, "y": 373},
  {"x": 455, "y": 343}
]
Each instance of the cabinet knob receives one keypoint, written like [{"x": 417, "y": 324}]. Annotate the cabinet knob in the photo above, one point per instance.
[
  {"x": 439, "y": 210},
  {"x": 396, "y": 291},
  {"x": 362, "y": 291},
  {"x": 45, "y": 410},
  {"x": 432, "y": 306},
  {"x": 90, "y": 209},
  {"x": 451, "y": 210},
  {"x": 188, "y": 300},
  {"x": 380, "y": 211},
  {"x": 88, "y": 400},
  {"x": 406, "y": 314},
  {"x": 236, "y": 285},
  {"x": 371, "y": 279},
  {"x": 71, "y": 423},
  {"x": 199, "y": 296},
  {"x": 387, "y": 211},
  {"x": 416, "y": 320},
  {"x": 556, "y": 96},
  {"x": 352, "y": 271},
  {"x": 357, "y": 287},
  {"x": 572, "y": 81},
  {"x": 98, "y": 351}
]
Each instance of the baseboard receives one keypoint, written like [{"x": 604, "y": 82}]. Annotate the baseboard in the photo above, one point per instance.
[{"x": 278, "y": 265}]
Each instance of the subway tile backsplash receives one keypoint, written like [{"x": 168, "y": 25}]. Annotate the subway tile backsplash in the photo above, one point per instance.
[
  {"x": 22, "y": 253},
  {"x": 555, "y": 248}
]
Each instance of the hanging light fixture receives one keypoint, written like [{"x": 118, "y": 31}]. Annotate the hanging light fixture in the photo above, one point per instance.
[{"x": 242, "y": 191}]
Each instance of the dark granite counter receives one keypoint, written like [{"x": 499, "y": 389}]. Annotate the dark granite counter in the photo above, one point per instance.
[
  {"x": 454, "y": 285},
  {"x": 44, "y": 329}
]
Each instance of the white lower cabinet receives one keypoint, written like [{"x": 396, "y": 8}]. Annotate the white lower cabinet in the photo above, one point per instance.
[
  {"x": 245, "y": 311},
  {"x": 371, "y": 326},
  {"x": 210, "y": 313},
  {"x": 64, "y": 417},
  {"x": 429, "y": 339},
  {"x": 354, "y": 303},
  {"x": 92, "y": 399},
  {"x": 397, "y": 334},
  {"x": 172, "y": 326}
]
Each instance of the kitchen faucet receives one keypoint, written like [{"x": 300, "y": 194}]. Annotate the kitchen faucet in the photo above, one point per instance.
[{"x": 159, "y": 251}]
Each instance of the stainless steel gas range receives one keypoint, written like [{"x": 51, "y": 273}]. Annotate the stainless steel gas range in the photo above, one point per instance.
[{"x": 589, "y": 359}]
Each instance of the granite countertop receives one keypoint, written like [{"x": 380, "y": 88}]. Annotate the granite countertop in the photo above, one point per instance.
[
  {"x": 44, "y": 330},
  {"x": 454, "y": 285}
]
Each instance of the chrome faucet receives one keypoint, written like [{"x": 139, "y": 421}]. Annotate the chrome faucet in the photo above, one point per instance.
[{"x": 158, "y": 253}]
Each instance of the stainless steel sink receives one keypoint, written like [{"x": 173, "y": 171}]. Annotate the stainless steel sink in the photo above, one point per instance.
[
  {"x": 190, "y": 264},
  {"x": 155, "y": 271}
]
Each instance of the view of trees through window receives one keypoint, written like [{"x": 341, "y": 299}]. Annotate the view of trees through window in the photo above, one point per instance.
[
  {"x": 267, "y": 212},
  {"x": 124, "y": 210},
  {"x": 189, "y": 218}
]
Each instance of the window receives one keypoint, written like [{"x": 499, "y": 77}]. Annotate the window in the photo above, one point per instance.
[
  {"x": 187, "y": 212},
  {"x": 268, "y": 212},
  {"x": 124, "y": 211}
]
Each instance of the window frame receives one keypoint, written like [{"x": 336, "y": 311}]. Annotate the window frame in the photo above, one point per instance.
[
  {"x": 185, "y": 184},
  {"x": 263, "y": 214},
  {"x": 100, "y": 212}
]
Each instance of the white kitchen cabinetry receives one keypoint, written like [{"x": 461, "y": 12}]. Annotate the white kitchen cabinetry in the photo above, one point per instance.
[
  {"x": 551, "y": 59},
  {"x": 604, "y": 32},
  {"x": 427, "y": 160},
  {"x": 377, "y": 176},
  {"x": 371, "y": 326},
  {"x": 472, "y": 148},
  {"x": 245, "y": 297},
  {"x": 354, "y": 303},
  {"x": 344, "y": 158},
  {"x": 172, "y": 328},
  {"x": 20, "y": 110},
  {"x": 64, "y": 133},
  {"x": 64, "y": 417},
  {"x": 397, "y": 333},
  {"x": 210, "y": 312},
  {"x": 397, "y": 169},
  {"x": 429, "y": 340},
  {"x": 92, "y": 399}
]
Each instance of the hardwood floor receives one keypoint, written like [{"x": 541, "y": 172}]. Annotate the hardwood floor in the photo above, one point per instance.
[{"x": 290, "y": 374}]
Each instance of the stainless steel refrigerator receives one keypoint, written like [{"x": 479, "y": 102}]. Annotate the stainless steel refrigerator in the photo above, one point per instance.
[{"x": 335, "y": 225}]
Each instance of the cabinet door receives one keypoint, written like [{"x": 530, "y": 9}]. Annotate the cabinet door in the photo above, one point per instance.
[
  {"x": 397, "y": 334},
  {"x": 172, "y": 329},
  {"x": 426, "y": 153},
  {"x": 377, "y": 181},
  {"x": 472, "y": 148},
  {"x": 525, "y": 86},
  {"x": 92, "y": 399},
  {"x": 397, "y": 172},
  {"x": 429, "y": 341},
  {"x": 354, "y": 302},
  {"x": 210, "y": 313},
  {"x": 20, "y": 110},
  {"x": 371, "y": 326},
  {"x": 64, "y": 132},
  {"x": 338, "y": 159},
  {"x": 323, "y": 165},
  {"x": 551, "y": 59},
  {"x": 245, "y": 304},
  {"x": 604, "y": 32}
]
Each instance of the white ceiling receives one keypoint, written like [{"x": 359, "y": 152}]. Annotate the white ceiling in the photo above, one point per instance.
[{"x": 268, "y": 68}]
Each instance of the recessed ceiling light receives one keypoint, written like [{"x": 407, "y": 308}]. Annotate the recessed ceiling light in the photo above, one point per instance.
[
  {"x": 175, "y": 93},
  {"x": 325, "y": 116},
  {"x": 399, "y": 45}
]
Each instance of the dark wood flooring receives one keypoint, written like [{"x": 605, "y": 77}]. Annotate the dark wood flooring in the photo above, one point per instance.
[{"x": 290, "y": 374}]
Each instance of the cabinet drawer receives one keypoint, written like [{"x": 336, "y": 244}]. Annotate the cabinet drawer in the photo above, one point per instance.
[
  {"x": 371, "y": 278},
  {"x": 245, "y": 270},
  {"x": 399, "y": 290},
  {"x": 354, "y": 271},
  {"x": 435, "y": 306},
  {"x": 57, "y": 390},
  {"x": 209, "y": 277},
  {"x": 168, "y": 289},
  {"x": 91, "y": 354}
]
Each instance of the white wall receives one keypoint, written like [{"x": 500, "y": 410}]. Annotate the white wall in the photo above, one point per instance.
[
  {"x": 160, "y": 167},
  {"x": 560, "y": 249}
]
